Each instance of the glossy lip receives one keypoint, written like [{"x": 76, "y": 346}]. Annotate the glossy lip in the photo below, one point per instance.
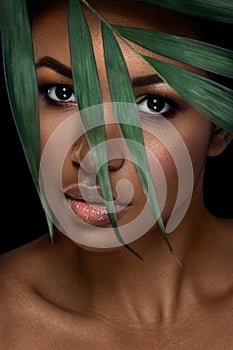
[{"x": 88, "y": 204}]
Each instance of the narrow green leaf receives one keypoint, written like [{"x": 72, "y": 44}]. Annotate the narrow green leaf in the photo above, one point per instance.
[
  {"x": 20, "y": 77},
  {"x": 88, "y": 94},
  {"x": 84, "y": 69},
  {"x": 217, "y": 10},
  {"x": 128, "y": 118},
  {"x": 21, "y": 84},
  {"x": 87, "y": 89},
  {"x": 196, "y": 53},
  {"x": 213, "y": 100}
]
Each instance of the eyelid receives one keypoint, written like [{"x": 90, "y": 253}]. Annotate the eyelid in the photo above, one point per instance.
[
  {"x": 141, "y": 97},
  {"x": 44, "y": 85}
]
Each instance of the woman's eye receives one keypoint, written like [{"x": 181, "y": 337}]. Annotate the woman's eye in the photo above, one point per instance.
[
  {"x": 60, "y": 94},
  {"x": 155, "y": 105}
]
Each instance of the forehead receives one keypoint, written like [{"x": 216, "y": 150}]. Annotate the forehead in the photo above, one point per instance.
[
  {"x": 139, "y": 14},
  {"x": 125, "y": 12},
  {"x": 132, "y": 12},
  {"x": 50, "y": 27}
]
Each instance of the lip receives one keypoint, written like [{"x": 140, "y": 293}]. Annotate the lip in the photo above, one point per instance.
[{"x": 88, "y": 204}]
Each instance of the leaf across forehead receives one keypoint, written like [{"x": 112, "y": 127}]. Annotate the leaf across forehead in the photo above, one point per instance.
[
  {"x": 199, "y": 54},
  {"x": 218, "y": 10},
  {"x": 213, "y": 100}
]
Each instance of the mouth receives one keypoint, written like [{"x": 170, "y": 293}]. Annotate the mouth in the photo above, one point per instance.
[{"x": 88, "y": 204}]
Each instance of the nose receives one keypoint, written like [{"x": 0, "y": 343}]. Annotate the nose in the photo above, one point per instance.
[{"x": 116, "y": 152}]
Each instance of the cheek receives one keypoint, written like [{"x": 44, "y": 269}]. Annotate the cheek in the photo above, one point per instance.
[
  {"x": 185, "y": 142},
  {"x": 192, "y": 146},
  {"x": 45, "y": 133},
  {"x": 163, "y": 170},
  {"x": 197, "y": 142},
  {"x": 178, "y": 159},
  {"x": 46, "y": 130},
  {"x": 49, "y": 122}
]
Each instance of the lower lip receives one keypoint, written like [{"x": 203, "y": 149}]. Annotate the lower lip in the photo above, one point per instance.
[{"x": 93, "y": 213}]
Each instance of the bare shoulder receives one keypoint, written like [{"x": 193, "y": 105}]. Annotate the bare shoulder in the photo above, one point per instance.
[
  {"x": 18, "y": 265},
  {"x": 18, "y": 300},
  {"x": 35, "y": 311}
]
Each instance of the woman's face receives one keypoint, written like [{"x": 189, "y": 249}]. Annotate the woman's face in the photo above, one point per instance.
[{"x": 159, "y": 107}]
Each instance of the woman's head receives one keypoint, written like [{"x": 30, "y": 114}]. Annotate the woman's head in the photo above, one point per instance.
[{"x": 158, "y": 104}]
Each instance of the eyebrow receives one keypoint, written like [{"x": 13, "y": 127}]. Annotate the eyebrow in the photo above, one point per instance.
[
  {"x": 147, "y": 80},
  {"x": 62, "y": 69},
  {"x": 57, "y": 66}
]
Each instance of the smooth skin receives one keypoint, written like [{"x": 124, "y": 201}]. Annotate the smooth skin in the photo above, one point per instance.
[{"x": 63, "y": 296}]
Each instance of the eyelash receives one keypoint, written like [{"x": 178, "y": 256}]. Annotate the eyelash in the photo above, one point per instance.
[
  {"x": 168, "y": 107},
  {"x": 45, "y": 89}
]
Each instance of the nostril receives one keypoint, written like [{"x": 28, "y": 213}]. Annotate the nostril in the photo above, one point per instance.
[{"x": 115, "y": 164}]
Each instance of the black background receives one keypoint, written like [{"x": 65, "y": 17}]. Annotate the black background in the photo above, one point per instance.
[{"x": 22, "y": 218}]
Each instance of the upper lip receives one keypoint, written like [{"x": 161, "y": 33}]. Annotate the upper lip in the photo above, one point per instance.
[{"x": 87, "y": 194}]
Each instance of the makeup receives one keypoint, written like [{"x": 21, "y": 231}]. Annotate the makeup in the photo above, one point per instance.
[{"x": 88, "y": 204}]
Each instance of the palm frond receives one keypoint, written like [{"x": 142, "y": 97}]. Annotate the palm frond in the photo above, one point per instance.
[
  {"x": 21, "y": 81},
  {"x": 217, "y": 10},
  {"x": 196, "y": 53},
  {"x": 128, "y": 119},
  {"x": 88, "y": 94},
  {"x": 213, "y": 100},
  {"x": 21, "y": 84}
]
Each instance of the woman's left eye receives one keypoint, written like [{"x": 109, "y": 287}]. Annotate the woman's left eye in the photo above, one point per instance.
[
  {"x": 155, "y": 105},
  {"x": 59, "y": 94}
]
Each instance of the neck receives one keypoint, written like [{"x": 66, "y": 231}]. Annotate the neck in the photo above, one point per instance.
[{"x": 145, "y": 291}]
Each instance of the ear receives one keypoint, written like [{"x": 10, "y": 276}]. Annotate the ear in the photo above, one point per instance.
[{"x": 220, "y": 139}]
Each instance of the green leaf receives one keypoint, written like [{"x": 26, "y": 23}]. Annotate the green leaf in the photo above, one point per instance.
[
  {"x": 213, "y": 100},
  {"x": 88, "y": 94},
  {"x": 196, "y": 53},
  {"x": 84, "y": 69},
  {"x": 217, "y": 10},
  {"x": 21, "y": 84},
  {"x": 128, "y": 118},
  {"x": 21, "y": 80}
]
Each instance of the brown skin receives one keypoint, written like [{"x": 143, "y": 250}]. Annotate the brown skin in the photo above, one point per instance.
[{"x": 62, "y": 296}]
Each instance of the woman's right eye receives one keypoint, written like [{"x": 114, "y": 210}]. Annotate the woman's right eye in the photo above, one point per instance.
[{"x": 58, "y": 94}]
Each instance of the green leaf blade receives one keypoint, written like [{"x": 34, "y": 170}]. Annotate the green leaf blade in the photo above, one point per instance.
[
  {"x": 217, "y": 10},
  {"x": 128, "y": 118},
  {"x": 21, "y": 84},
  {"x": 213, "y": 100},
  {"x": 21, "y": 80},
  {"x": 82, "y": 52},
  {"x": 88, "y": 94},
  {"x": 189, "y": 51}
]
